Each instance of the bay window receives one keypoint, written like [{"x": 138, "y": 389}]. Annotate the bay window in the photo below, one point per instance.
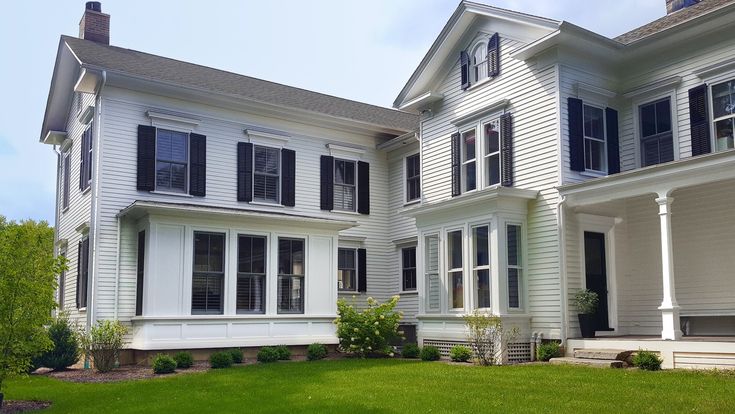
[
  {"x": 481, "y": 264},
  {"x": 514, "y": 265},
  {"x": 291, "y": 266},
  {"x": 455, "y": 270},
  {"x": 251, "y": 271},
  {"x": 209, "y": 271}
]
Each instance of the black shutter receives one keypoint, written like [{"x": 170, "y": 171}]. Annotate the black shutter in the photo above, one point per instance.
[
  {"x": 141, "y": 267},
  {"x": 363, "y": 187},
  {"x": 506, "y": 150},
  {"x": 493, "y": 56},
  {"x": 197, "y": 165},
  {"x": 464, "y": 60},
  {"x": 82, "y": 272},
  {"x": 84, "y": 161},
  {"x": 576, "y": 134},
  {"x": 244, "y": 171},
  {"x": 613, "y": 141},
  {"x": 699, "y": 120},
  {"x": 146, "y": 158},
  {"x": 327, "y": 182},
  {"x": 456, "y": 165},
  {"x": 361, "y": 270},
  {"x": 79, "y": 275},
  {"x": 288, "y": 177}
]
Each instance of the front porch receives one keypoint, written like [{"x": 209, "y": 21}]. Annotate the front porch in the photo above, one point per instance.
[{"x": 656, "y": 244}]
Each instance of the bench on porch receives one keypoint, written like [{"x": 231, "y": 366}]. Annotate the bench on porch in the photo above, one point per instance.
[{"x": 705, "y": 322}]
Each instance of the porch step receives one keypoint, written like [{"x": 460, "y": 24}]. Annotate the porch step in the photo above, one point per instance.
[
  {"x": 599, "y": 363},
  {"x": 605, "y": 354}
]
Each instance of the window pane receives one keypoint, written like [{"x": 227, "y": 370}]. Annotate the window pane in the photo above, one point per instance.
[
  {"x": 265, "y": 187},
  {"x": 724, "y": 134},
  {"x": 412, "y": 166},
  {"x": 469, "y": 145},
  {"x": 171, "y": 145},
  {"x": 723, "y": 99},
  {"x": 455, "y": 249},
  {"x": 648, "y": 120},
  {"x": 593, "y": 122},
  {"x": 178, "y": 177},
  {"x": 290, "y": 298},
  {"x": 266, "y": 160},
  {"x": 297, "y": 251},
  {"x": 344, "y": 197},
  {"x": 163, "y": 174},
  {"x": 284, "y": 257},
  {"x": 344, "y": 172},
  {"x": 493, "y": 169},
  {"x": 409, "y": 279},
  {"x": 206, "y": 294},
  {"x": 456, "y": 290},
  {"x": 346, "y": 279},
  {"x": 663, "y": 116},
  {"x": 492, "y": 138},
  {"x": 201, "y": 252},
  {"x": 483, "y": 288},
  {"x": 250, "y": 294},
  {"x": 481, "y": 246},
  {"x": 514, "y": 288},
  {"x": 514, "y": 245},
  {"x": 594, "y": 155},
  {"x": 470, "y": 177}
]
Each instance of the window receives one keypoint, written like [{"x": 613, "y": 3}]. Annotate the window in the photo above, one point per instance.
[
  {"x": 408, "y": 268},
  {"x": 657, "y": 140},
  {"x": 251, "y": 265},
  {"x": 431, "y": 273},
  {"x": 85, "y": 169},
  {"x": 479, "y": 62},
  {"x": 347, "y": 269},
  {"x": 62, "y": 283},
  {"x": 266, "y": 174},
  {"x": 454, "y": 269},
  {"x": 209, "y": 272},
  {"x": 481, "y": 264},
  {"x": 723, "y": 114},
  {"x": 469, "y": 172},
  {"x": 515, "y": 265},
  {"x": 172, "y": 160},
  {"x": 413, "y": 178},
  {"x": 594, "y": 139},
  {"x": 344, "y": 185},
  {"x": 140, "y": 274},
  {"x": 492, "y": 152},
  {"x": 82, "y": 272},
  {"x": 290, "y": 275},
  {"x": 65, "y": 174}
]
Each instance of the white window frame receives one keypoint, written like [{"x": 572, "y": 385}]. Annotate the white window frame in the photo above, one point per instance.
[
  {"x": 450, "y": 270},
  {"x": 225, "y": 268},
  {"x": 355, "y": 269},
  {"x": 521, "y": 266},
  {"x": 188, "y": 164},
  {"x": 335, "y": 184},
  {"x": 403, "y": 268},
  {"x": 586, "y": 138},
  {"x": 464, "y": 163},
  {"x": 730, "y": 77},
  {"x": 475, "y": 268},
  {"x": 279, "y": 176},
  {"x": 267, "y": 264},
  {"x": 406, "y": 179},
  {"x": 481, "y": 159},
  {"x": 485, "y": 156},
  {"x": 305, "y": 240},
  {"x": 635, "y": 109},
  {"x": 476, "y": 66}
]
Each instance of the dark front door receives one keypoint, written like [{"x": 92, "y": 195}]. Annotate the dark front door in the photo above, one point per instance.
[{"x": 596, "y": 275}]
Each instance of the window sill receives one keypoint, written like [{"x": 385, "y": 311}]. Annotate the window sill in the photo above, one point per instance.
[
  {"x": 408, "y": 292},
  {"x": 64, "y": 210},
  {"x": 480, "y": 83},
  {"x": 167, "y": 193},
  {"x": 349, "y": 292},
  {"x": 87, "y": 190},
  {"x": 84, "y": 309},
  {"x": 593, "y": 174},
  {"x": 412, "y": 202},
  {"x": 353, "y": 213},
  {"x": 266, "y": 204}
]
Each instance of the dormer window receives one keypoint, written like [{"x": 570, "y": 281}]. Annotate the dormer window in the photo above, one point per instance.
[{"x": 479, "y": 62}]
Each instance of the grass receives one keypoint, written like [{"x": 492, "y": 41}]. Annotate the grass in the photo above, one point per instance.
[{"x": 393, "y": 386}]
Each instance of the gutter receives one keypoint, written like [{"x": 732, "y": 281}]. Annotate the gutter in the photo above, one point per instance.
[
  {"x": 562, "y": 268},
  {"x": 93, "y": 222}
]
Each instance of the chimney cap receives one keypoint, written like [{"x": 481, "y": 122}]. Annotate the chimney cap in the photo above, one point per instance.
[{"x": 94, "y": 6}]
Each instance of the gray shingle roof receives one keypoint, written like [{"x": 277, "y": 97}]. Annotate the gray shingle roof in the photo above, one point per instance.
[
  {"x": 673, "y": 19},
  {"x": 148, "y": 66}
]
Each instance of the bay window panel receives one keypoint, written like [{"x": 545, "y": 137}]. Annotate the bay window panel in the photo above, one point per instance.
[
  {"x": 481, "y": 264},
  {"x": 468, "y": 160},
  {"x": 483, "y": 288},
  {"x": 514, "y": 269},
  {"x": 250, "y": 295},
  {"x": 514, "y": 288},
  {"x": 290, "y": 275},
  {"x": 208, "y": 277},
  {"x": 455, "y": 271}
]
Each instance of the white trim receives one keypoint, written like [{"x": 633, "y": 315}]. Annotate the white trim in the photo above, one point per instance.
[
  {"x": 641, "y": 92},
  {"x": 266, "y": 137},
  {"x": 491, "y": 110},
  {"x": 345, "y": 152},
  {"x": 422, "y": 101},
  {"x": 586, "y": 89},
  {"x": 715, "y": 69},
  {"x": 171, "y": 121}
]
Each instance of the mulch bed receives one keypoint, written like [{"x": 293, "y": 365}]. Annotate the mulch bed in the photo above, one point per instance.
[
  {"x": 13, "y": 407},
  {"x": 124, "y": 373}
]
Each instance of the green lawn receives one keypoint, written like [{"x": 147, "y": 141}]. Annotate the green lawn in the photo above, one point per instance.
[{"x": 393, "y": 386}]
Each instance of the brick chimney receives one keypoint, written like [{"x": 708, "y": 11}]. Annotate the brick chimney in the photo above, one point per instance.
[
  {"x": 95, "y": 25},
  {"x": 676, "y": 5}
]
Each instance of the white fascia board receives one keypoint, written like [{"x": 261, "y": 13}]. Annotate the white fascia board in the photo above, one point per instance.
[
  {"x": 421, "y": 101},
  {"x": 654, "y": 87},
  {"x": 399, "y": 141},
  {"x": 54, "y": 137},
  {"x": 484, "y": 111}
]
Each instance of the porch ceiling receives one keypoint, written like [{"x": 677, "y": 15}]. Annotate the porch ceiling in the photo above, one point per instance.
[{"x": 659, "y": 179}]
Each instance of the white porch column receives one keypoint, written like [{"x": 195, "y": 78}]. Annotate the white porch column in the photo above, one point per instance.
[{"x": 669, "y": 308}]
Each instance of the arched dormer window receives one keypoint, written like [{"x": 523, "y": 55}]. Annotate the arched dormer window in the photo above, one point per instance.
[{"x": 479, "y": 62}]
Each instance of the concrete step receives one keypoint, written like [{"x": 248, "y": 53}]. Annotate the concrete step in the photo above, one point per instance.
[
  {"x": 599, "y": 363},
  {"x": 620, "y": 355}
]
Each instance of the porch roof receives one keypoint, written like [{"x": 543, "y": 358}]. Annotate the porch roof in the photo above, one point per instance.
[{"x": 659, "y": 179}]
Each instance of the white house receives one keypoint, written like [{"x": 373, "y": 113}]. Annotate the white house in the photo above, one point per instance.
[{"x": 527, "y": 158}]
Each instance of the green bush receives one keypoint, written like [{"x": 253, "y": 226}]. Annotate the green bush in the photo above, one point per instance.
[
  {"x": 410, "y": 351},
  {"x": 367, "y": 331},
  {"x": 222, "y": 359},
  {"x": 65, "y": 352},
  {"x": 315, "y": 352},
  {"x": 183, "y": 360},
  {"x": 460, "y": 353},
  {"x": 163, "y": 364},
  {"x": 647, "y": 360},
  {"x": 430, "y": 353},
  {"x": 548, "y": 350},
  {"x": 103, "y": 344},
  {"x": 284, "y": 353},
  {"x": 268, "y": 354},
  {"x": 237, "y": 355}
]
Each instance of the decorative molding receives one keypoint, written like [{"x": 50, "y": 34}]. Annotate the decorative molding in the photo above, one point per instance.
[
  {"x": 55, "y": 137},
  {"x": 480, "y": 113},
  {"x": 167, "y": 119},
  {"x": 583, "y": 88},
  {"x": 654, "y": 87},
  {"x": 715, "y": 69},
  {"x": 342, "y": 151},
  {"x": 85, "y": 116},
  {"x": 352, "y": 239},
  {"x": 83, "y": 228},
  {"x": 266, "y": 136},
  {"x": 405, "y": 241},
  {"x": 62, "y": 244}
]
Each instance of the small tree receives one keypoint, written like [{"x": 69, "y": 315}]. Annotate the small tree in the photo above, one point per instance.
[
  {"x": 368, "y": 331},
  {"x": 65, "y": 350},
  {"x": 28, "y": 271},
  {"x": 103, "y": 343},
  {"x": 487, "y": 338}
]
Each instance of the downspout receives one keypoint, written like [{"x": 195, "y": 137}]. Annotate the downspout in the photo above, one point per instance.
[
  {"x": 562, "y": 267},
  {"x": 117, "y": 267},
  {"x": 56, "y": 215}
]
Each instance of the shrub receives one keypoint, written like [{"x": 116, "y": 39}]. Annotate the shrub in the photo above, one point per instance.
[
  {"x": 430, "y": 353},
  {"x": 222, "y": 359},
  {"x": 315, "y": 352},
  {"x": 103, "y": 344},
  {"x": 367, "y": 332},
  {"x": 410, "y": 351},
  {"x": 284, "y": 353},
  {"x": 487, "y": 337},
  {"x": 163, "y": 364},
  {"x": 548, "y": 350},
  {"x": 237, "y": 355},
  {"x": 268, "y": 354},
  {"x": 586, "y": 301},
  {"x": 65, "y": 351},
  {"x": 183, "y": 360},
  {"x": 647, "y": 360},
  {"x": 460, "y": 353}
]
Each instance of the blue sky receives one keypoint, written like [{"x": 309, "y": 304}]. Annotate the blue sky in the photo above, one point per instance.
[{"x": 362, "y": 50}]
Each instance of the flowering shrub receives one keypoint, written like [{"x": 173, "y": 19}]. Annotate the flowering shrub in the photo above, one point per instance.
[
  {"x": 487, "y": 337},
  {"x": 103, "y": 343},
  {"x": 367, "y": 332}
]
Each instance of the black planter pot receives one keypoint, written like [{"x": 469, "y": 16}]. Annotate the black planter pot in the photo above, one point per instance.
[{"x": 586, "y": 325}]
